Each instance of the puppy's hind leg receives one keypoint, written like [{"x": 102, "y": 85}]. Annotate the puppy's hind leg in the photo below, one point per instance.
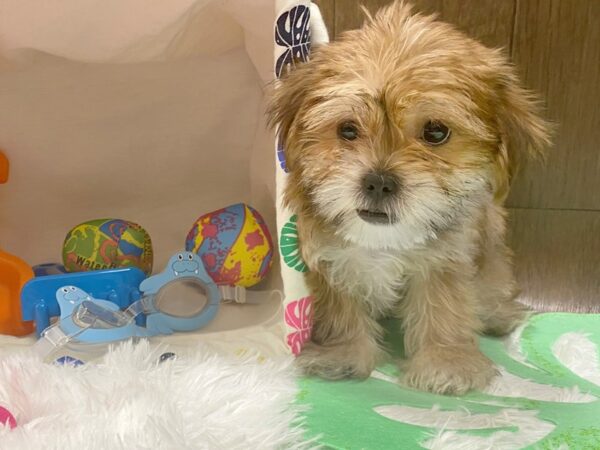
[
  {"x": 496, "y": 290},
  {"x": 504, "y": 316}
]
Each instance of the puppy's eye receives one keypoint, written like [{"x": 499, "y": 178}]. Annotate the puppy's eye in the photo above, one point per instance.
[
  {"x": 348, "y": 131},
  {"x": 435, "y": 133}
]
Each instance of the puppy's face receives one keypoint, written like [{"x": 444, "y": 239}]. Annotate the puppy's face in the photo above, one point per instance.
[{"x": 400, "y": 130}]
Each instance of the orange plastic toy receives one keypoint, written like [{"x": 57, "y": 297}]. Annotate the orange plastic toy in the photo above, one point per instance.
[
  {"x": 14, "y": 273},
  {"x": 3, "y": 168}
]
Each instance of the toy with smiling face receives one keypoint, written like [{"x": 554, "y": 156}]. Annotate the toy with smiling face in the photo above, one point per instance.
[
  {"x": 92, "y": 320},
  {"x": 181, "y": 298},
  {"x": 39, "y": 301},
  {"x": 184, "y": 297}
]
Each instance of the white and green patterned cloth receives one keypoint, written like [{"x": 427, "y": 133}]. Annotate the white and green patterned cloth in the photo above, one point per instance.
[{"x": 537, "y": 402}]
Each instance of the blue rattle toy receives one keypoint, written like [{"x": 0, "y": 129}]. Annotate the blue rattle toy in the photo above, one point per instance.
[{"x": 181, "y": 298}]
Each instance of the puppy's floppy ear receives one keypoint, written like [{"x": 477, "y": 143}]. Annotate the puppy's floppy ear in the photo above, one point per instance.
[
  {"x": 523, "y": 131},
  {"x": 287, "y": 97}
]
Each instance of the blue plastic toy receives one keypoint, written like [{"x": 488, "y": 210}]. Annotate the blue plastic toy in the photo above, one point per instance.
[
  {"x": 186, "y": 267},
  {"x": 38, "y": 296},
  {"x": 88, "y": 320},
  {"x": 43, "y": 270},
  {"x": 92, "y": 320}
]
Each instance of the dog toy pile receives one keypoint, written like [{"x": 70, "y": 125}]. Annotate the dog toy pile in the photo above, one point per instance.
[
  {"x": 229, "y": 249},
  {"x": 102, "y": 293}
]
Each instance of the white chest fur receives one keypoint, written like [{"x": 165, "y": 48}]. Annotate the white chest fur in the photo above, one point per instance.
[{"x": 375, "y": 277}]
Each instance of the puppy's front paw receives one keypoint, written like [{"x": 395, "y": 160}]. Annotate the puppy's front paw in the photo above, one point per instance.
[
  {"x": 449, "y": 371},
  {"x": 352, "y": 359}
]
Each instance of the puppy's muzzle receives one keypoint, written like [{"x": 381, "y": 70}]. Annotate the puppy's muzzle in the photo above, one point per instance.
[{"x": 378, "y": 188}]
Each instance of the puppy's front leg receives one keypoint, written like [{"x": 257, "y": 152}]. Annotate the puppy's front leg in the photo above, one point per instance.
[
  {"x": 441, "y": 323},
  {"x": 345, "y": 339}
]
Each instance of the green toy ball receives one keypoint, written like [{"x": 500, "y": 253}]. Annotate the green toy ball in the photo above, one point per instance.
[{"x": 107, "y": 244}]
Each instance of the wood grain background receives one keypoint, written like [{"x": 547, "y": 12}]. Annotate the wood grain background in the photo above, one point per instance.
[{"x": 555, "y": 207}]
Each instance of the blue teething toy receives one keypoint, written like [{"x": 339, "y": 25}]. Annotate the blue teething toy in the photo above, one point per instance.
[
  {"x": 86, "y": 319},
  {"x": 182, "y": 266},
  {"x": 92, "y": 320},
  {"x": 39, "y": 301}
]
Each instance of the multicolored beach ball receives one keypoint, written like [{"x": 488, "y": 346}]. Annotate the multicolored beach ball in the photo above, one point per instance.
[
  {"x": 234, "y": 244},
  {"x": 107, "y": 244}
]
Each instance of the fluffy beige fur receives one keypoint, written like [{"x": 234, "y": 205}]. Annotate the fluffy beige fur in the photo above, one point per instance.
[{"x": 436, "y": 257}]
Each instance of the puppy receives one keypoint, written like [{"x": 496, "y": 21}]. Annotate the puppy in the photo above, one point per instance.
[{"x": 401, "y": 139}]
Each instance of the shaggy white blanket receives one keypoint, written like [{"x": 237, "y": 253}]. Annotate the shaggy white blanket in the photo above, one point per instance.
[{"x": 131, "y": 401}]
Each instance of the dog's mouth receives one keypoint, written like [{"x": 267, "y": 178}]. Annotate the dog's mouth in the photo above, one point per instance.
[{"x": 375, "y": 217}]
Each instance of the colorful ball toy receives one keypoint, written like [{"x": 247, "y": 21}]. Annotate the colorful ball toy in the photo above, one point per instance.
[
  {"x": 107, "y": 244},
  {"x": 234, "y": 244}
]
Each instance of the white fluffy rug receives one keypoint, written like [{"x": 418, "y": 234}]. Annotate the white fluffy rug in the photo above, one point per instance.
[{"x": 131, "y": 401}]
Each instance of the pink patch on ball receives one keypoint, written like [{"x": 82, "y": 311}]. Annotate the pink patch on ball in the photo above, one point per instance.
[
  {"x": 254, "y": 239},
  {"x": 210, "y": 260},
  {"x": 210, "y": 230},
  {"x": 6, "y": 418}
]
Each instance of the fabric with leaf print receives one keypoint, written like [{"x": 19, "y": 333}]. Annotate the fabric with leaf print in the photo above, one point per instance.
[
  {"x": 297, "y": 23},
  {"x": 293, "y": 33},
  {"x": 537, "y": 403},
  {"x": 298, "y": 315}
]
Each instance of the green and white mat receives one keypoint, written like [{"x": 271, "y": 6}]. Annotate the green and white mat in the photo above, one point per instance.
[{"x": 547, "y": 397}]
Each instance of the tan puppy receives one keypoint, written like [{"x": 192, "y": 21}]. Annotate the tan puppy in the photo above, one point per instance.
[{"x": 401, "y": 139}]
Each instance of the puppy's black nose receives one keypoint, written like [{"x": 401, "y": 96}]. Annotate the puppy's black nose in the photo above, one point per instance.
[{"x": 378, "y": 186}]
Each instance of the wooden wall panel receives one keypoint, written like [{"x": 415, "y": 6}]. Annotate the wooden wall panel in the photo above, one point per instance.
[
  {"x": 327, "y": 8},
  {"x": 556, "y": 46},
  {"x": 349, "y": 15},
  {"x": 557, "y": 258},
  {"x": 557, "y": 50},
  {"x": 490, "y": 21}
]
